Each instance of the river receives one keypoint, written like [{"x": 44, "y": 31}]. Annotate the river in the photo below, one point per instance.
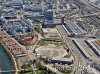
[{"x": 5, "y": 62}]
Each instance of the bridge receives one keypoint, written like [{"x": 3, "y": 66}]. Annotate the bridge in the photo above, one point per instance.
[{"x": 8, "y": 71}]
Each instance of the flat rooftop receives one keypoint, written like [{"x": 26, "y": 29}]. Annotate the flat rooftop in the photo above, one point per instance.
[
  {"x": 62, "y": 59},
  {"x": 73, "y": 29},
  {"x": 19, "y": 27},
  {"x": 95, "y": 43}
]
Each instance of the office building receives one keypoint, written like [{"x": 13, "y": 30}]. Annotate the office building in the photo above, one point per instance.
[
  {"x": 16, "y": 5},
  {"x": 48, "y": 14}
]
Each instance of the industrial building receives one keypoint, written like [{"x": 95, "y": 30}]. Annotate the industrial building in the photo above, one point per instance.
[
  {"x": 94, "y": 45},
  {"x": 82, "y": 50},
  {"x": 73, "y": 29},
  {"x": 88, "y": 28},
  {"x": 63, "y": 61}
]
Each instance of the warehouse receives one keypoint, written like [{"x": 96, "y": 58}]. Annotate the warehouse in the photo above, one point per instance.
[
  {"x": 73, "y": 29},
  {"x": 82, "y": 50},
  {"x": 60, "y": 61},
  {"x": 94, "y": 45}
]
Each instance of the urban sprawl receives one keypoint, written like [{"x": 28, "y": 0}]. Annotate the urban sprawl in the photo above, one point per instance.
[{"x": 51, "y": 36}]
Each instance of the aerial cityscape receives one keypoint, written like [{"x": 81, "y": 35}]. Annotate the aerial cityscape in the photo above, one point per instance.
[{"x": 49, "y": 36}]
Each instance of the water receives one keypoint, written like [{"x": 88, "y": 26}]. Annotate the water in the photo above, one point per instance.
[{"x": 5, "y": 62}]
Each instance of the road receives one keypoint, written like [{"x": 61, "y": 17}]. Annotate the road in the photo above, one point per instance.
[
  {"x": 80, "y": 60},
  {"x": 93, "y": 56},
  {"x": 72, "y": 47},
  {"x": 91, "y": 11},
  {"x": 86, "y": 10}
]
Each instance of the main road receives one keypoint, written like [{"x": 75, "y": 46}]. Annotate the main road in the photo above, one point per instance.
[
  {"x": 80, "y": 60},
  {"x": 72, "y": 47}
]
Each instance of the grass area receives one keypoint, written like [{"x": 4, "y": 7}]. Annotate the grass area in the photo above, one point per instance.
[
  {"x": 44, "y": 42},
  {"x": 40, "y": 71},
  {"x": 37, "y": 72},
  {"x": 18, "y": 67},
  {"x": 43, "y": 70},
  {"x": 27, "y": 70},
  {"x": 67, "y": 71}
]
